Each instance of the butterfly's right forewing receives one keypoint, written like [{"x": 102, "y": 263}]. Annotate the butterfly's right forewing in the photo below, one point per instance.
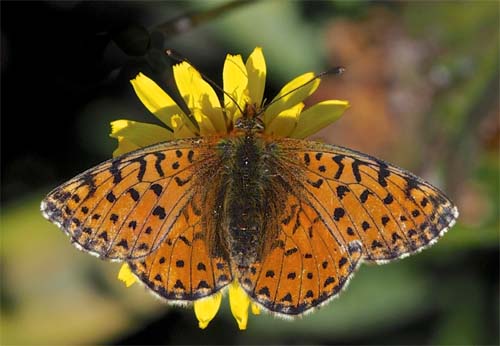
[{"x": 123, "y": 208}]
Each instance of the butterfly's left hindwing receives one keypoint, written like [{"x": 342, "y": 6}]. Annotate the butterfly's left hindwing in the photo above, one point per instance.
[{"x": 123, "y": 208}]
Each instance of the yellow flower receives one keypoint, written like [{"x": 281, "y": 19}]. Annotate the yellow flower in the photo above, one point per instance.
[{"x": 244, "y": 85}]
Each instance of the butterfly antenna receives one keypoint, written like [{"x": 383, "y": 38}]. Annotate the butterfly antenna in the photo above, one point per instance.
[
  {"x": 338, "y": 70},
  {"x": 174, "y": 55}
]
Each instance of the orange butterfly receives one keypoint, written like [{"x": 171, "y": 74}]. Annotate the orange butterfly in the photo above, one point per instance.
[{"x": 289, "y": 219}]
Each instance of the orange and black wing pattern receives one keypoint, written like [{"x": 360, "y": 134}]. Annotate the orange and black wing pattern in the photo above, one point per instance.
[
  {"x": 124, "y": 208},
  {"x": 342, "y": 207},
  {"x": 186, "y": 266}
]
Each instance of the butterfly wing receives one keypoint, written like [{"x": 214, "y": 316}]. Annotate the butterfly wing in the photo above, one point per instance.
[
  {"x": 185, "y": 266},
  {"x": 307, "y": 263},
  {"x": 124, "y": 208},
  {"x": 342, "y": 207}
]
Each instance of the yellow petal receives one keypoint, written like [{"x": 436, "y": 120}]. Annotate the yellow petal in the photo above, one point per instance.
[
  {"x": 291, "y": 94},
  {"x": 155, "y": 99},
  {"x": 124, "y": 146},
  {"x": 132, "y": 135},
  {"x": 181, "y": 128},
  {"x": 205, "y": 309},
  {"x": 235, "y": 81},
  {"x": 206, "y": 126},
  {"x": 256, "y": 70},
  {"x": 255, "y": 309},
  {"x": 319, "y": 116},
  {"x": 239, "y": 303},
  {"x": 125, "y": 275},
  {"x": 284, "y": 124},
  {"x": 199, "y": 95}
]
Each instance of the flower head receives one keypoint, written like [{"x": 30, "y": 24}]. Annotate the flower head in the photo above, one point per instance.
[{"x": 244, "y": 85}]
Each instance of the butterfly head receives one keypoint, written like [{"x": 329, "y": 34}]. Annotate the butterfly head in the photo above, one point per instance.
[{"x": 250, "y": 121}]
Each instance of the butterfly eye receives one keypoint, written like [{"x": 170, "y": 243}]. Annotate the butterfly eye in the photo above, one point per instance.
[{"x": 259, "y": 125}]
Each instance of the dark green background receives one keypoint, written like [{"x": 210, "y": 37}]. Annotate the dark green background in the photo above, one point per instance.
[{"x": 422, "y": 79}]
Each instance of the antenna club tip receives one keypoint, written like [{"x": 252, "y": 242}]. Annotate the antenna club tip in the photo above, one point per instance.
[{"x": 338, "y": 70}]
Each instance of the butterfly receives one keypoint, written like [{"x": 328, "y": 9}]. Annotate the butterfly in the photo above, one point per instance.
[{"x": 291, "y": 220}]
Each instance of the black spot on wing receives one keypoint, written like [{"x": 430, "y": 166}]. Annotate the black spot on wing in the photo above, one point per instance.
[
  {"x": 159, "y": 158},
  {"x": 350, "y": 231},
  {"x": 184, "y": 240},
  {"x": 385, "y": 219},
  {"x": 364, "y": 195},
  {"x": 307, "y": 159},
  {"x": 265, "y": 291},
  {"x": 133, "y": 194},
  {"x": 181, "y": 182},
  {"x": 424, "y": 202},
  {"x": 365, "y": 225},
  {"x": 114, "y": 169},
  {"x": 317, "y": 184},
  {"x": 355, "y": 169},
  {"x": 123, "y": 243},
  {"x": 341, "y": 191},
  {"x": 330, "y": 280},
  {"x": 342, "y": 262},
  {"x": 179, "y": 285},
  {"x": 142, "y": 167},
  {"x": 383, "y": 173},
  {"x": 338, "y": 213},
  {"x": 202, "y": 284},
  {"x": 411, "y": 183},
  {"x": 338, "y": 160},
  {"x": 160, "y": 212},
  {"x": 111, "y": 197},
  {"x": 157, "y": 189},
  {"x": 270, "y": 274},
  {"x": 190, "y": 156},
  {"x": 376, "y": 244},
  {"x": 388, "y": 199}
]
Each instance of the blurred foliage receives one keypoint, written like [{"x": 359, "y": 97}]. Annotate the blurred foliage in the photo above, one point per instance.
[{"x": 422, "y": 78}]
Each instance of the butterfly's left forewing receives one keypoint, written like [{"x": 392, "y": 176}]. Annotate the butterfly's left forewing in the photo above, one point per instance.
[{"x": 390, "y": 210}]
